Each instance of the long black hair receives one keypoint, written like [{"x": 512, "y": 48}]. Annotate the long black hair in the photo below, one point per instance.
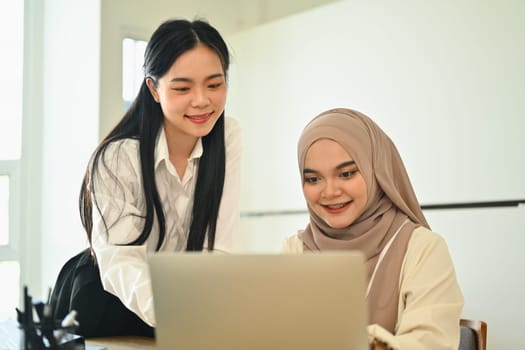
[{"x": 142, "y": 122}]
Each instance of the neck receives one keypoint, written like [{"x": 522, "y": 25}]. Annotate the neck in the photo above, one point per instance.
[{"x": 180, "y": 146}]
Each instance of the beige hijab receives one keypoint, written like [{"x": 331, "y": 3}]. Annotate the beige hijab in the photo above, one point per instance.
[{"x": 392, "y": 206}]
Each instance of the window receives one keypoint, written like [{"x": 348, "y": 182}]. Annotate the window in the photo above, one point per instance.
[
  {"x": 4, "y": 210},
  {"x": 10, "y": 272},
  {"x": 11, "y": 46},
  {"x": 11, "y": 21},
  {"x": 132, "y": 71}
]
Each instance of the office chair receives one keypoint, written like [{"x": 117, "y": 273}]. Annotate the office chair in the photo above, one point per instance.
[{"x": 473, "y": 335}]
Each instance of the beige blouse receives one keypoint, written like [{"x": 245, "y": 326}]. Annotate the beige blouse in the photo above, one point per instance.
[{"x": 430, "y": 300}]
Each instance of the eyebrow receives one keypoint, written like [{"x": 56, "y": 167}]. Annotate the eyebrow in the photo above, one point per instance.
[
  {"x": 340, "y": 166},
  {"x": 345, "y": 164},
  {"x": 188, "y": 80}
]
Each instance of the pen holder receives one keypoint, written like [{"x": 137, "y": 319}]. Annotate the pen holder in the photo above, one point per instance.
[
  {"x": 46, "y": 334},
  {"x": 69, "y": 341}
]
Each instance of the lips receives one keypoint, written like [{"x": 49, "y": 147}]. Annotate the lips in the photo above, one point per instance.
[
  {"x": 336, "y": 208},
  {"x": 199, "y": 118}
]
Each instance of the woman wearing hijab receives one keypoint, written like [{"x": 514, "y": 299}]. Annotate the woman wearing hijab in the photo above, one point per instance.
[{"x": 359, "y": 197}]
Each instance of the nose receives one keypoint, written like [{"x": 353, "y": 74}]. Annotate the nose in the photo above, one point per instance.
[
  {"x": 331, "y": 189},
  {"x": 200, "y": 98}
]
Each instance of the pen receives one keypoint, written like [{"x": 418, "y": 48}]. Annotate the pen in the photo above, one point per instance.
[
  {"x": 47, "y": 307},
  {"x": 70, "y": 320}
]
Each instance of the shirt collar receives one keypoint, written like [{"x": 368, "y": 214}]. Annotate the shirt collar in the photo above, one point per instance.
[{"x": 161, "y": 149}]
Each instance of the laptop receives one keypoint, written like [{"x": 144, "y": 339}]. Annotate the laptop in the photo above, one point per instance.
[{"x": 260, "y": 301}]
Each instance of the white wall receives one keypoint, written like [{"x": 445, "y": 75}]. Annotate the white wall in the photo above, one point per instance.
[
  {"x": 445, "y": 79},
  {"x": 70, "y": 111}
]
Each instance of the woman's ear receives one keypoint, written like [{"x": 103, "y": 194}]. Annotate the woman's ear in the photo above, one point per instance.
[{"x": 152, "y": 89}]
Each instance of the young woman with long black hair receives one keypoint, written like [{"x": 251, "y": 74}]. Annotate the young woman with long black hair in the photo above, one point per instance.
[{"x": 166, "y": 178}]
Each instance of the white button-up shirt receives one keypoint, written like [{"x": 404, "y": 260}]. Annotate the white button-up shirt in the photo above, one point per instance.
[{"x": 120, "y": 197}]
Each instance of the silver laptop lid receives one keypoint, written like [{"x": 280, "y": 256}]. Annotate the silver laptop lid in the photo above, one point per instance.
[{"x": 267, "y": 302}]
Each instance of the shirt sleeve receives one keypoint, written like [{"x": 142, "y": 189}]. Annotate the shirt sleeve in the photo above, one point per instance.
[
  {"x": 117, "y": 221},
  {"x": 228, "y": 221},
  {"x": 430, "y": 302}
]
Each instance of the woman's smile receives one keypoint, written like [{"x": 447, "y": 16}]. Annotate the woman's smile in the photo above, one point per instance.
[{"x": 199, "y": 118}]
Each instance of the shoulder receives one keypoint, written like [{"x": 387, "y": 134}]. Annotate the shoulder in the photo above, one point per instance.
[
  {"x": 232, "y": 138},
  {"x": 423, "y": 239},
  {"x": 119, "y": 156},
  {"x": 122, "y": 148},
  {"x": 293, "y": 244},
  {"x": 426, "y": 249},
  {"x": 232, "y": 128}
]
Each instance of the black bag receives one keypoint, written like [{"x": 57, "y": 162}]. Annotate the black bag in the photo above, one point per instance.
[{"x": 99, "y": 313}]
